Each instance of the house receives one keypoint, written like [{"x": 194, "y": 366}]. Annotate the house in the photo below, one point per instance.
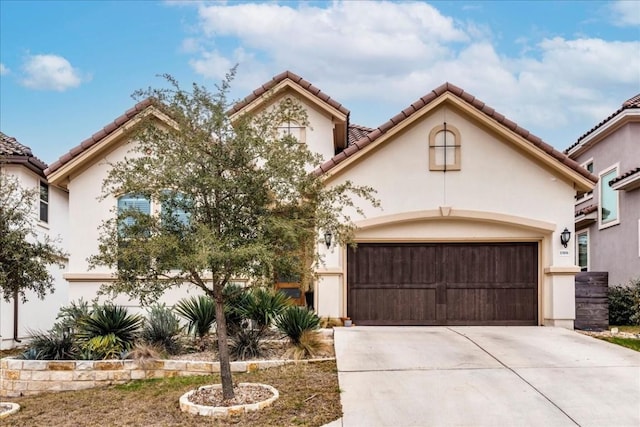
[
  {"x": 470, "y": 231},
  {"x": 17, "y": 318},
  {"x": 608, "y": 218}
]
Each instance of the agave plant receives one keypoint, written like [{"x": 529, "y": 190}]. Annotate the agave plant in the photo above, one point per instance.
[
  {"x": 294, "y": 321},
  {"x": 264, "y": 305},
  {"x": 108, "y": 332},
  {"x": 200, "y": 313},
  {"x": 51, "y": 345},
  {"x": 246, "y": 344}
]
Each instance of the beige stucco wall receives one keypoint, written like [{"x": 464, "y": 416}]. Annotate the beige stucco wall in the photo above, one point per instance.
[
  {"x": 499, "y": 194},
  {"x": 37, "y": 314}
]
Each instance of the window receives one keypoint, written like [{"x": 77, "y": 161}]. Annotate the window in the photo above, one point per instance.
[
  {"x": 582, "y": 251},
  {"x": 293, "y": 129},
  {"x": 444, "y": 148},
  {"x": 588, "y": 165},
  {"x": 44, "y": 202},
  {"x": 131, "y": 203},
  {"x": 608, "y": 212},
  {"x": 173, "y": 211}
]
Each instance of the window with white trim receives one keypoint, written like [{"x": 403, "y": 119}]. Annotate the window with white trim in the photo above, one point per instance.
[
  {"x": 608, "y": 214},
  {"x": 133, "y": 203},
  {"x": 582, "y": 251},
  {"x": 444, "y": 148},
  {"x": 44, "y": 202},
  {"x": 588, "y": 165}
]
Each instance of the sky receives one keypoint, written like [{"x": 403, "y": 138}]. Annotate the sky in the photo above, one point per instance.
[{"x": 68, "y": 68}]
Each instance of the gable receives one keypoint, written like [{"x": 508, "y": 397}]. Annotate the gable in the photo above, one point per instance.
[{"x": 475, "y": 110}]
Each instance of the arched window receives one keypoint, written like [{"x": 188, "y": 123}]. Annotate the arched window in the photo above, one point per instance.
[
  {"x": 292, "y": 128},
  {"x": 444, "y": 148}
]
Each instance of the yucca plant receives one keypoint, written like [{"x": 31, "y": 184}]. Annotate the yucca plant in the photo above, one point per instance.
[
  {"x": 51, "y": 345},
  {"x": 162, "y": 328},
  {"x": 236, "y": 299},
  {"x": 108, "y": 332},
  {"x": 310, "y": 344},
  {"x": 264, "y": 305},
  {"x": 200, "y": 313},
  {"x": 246, "y": 344},
  {"x": 295, "y": 320}
]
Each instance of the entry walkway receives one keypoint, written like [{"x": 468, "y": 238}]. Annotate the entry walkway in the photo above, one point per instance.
[{"x": 484, "y": 376}]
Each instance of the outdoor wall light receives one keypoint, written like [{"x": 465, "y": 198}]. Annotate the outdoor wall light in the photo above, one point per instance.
[
  {"x": 565, "y": 236},
  {"x": 327, "y": 238}
]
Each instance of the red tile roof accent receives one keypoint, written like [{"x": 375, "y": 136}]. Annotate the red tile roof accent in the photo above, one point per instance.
[
  {"x": 13, "y": 152},
  {"x": 356, "y": 132},
  {"x": 473, "y": 101},
  {"x": 99, "y": 136},
  {"x": 625, "y": 175},
  {"x": 294, "y": 78},
  {"x": 633, "y": 102},
  {"x": 586, "y": 210}
]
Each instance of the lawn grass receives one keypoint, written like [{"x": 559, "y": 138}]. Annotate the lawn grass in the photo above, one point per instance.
[
  {"x": 632, "y": 343},
  {"x": 309, "y": 396},
  {"x": 632, "y": 329}
]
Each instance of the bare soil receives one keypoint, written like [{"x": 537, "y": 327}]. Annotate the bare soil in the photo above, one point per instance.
[{"x": 244, "y": 395}]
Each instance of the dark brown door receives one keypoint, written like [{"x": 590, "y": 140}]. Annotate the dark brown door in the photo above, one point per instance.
[{"x": 443, "y": 284}]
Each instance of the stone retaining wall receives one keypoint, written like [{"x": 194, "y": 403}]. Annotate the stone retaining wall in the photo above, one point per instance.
[{"x": 29, "y": 377}]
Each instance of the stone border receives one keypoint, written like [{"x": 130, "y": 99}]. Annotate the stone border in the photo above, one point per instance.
[
  {"x": 13, "y": 408},
  {"x": 224, "y": 411},
  {"x": 31, "y": 377}
]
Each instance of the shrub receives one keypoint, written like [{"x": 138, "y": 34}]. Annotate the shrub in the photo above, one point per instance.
[
  {"x": 236, "y": 300},
  {"x": 294, "y": 320},
  {"x": 144, "y": 354},
  {"x": 310, "y": 344},
  {"x": 51, "y": 345},
  {"x": 246, "y": 344},
  {"x": 264, "y": 305},
  {"x": 70, "y": 316},
  {"x": 108, "y": 332},
  {"x": 624, "y": 304},
  {"x": 162, "y": 329},
  {"x": 200, "y": 313}
]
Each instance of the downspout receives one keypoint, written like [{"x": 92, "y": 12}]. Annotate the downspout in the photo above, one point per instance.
[{"x": 15, "y": 317}]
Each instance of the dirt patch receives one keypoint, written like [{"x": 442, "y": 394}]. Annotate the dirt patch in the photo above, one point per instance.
[{"x": 244, "y": 395}]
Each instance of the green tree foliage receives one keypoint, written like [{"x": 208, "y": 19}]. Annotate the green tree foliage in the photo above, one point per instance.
[
  {"x": 236, "y": 198},
  {"x": 24, "y": 256}
]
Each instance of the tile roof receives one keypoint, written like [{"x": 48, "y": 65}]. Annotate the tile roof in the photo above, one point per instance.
[
  {"x": 357, "y": 132},
  {"x": 586, "y": 210},
  {"x": 15, "y": 153},
  {"x": 631, "y": 103},
  {"x": 306, "y": 85},
  {"x": 99, "y": 136},
  {"x": 469, "y": 99},
  {"x": 625, "y": 175}
]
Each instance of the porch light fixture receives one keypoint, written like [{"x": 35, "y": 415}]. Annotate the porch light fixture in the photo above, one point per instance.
[
  {"x": 327, "y": 238},
  {"x": 565, "y": 236}
]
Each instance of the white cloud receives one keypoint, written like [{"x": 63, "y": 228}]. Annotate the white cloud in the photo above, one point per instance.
[
  {"x": 626, "y": 13},
  {"x": 50, "y": 72},
  {"x": 385, "y": 56},
  {"x": 4, "y": 70}
]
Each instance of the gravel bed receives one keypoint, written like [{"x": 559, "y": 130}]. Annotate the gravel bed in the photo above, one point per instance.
[{"x": 244, "y": 395}]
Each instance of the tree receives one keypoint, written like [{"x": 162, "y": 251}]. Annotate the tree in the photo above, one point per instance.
[
  {"x": 236, "y": 199},
  {"x": 24, "y": 256}
]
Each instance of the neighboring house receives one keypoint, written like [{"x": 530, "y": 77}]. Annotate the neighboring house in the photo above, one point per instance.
[
  {"x": 473, "y": 207},
  {"x": 51, "y": 213},
  {"x": 608, "y": 218}
]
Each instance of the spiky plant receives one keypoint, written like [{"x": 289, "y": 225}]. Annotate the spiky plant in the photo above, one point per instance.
[
  {"x": 108, "y": 332},
  {"x": 294, "y": 321},
  {"x": 236, "y": 299},
  {"x": 310, "y": 344},
  {"x": 264, "y": 305},
  {"x": 162, "y": 328},
  {"x": 246, "y": 344},
  {"x": 51, "y": 345},
  {"x": 200, "y": 313}
]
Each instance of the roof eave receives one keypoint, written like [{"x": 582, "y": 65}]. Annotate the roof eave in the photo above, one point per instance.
[{"x": 588, "y": 141}]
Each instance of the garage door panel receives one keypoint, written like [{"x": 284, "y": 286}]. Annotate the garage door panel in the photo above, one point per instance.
[{"x": 446, "y": 284}]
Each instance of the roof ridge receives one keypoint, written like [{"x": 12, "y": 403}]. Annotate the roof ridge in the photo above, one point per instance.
[{"x": 469, "y": 99}]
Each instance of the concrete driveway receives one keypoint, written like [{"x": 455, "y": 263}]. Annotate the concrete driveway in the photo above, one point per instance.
[{"x": 484, "y": 376}]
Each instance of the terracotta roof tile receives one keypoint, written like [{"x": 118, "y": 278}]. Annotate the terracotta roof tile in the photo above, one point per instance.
[
  {"x": 479, "y": 105},
  {"x": 99, "y": 136},
  {"x": 296, "y": 79},
  {"x": 586, "y": 210},
  {"x": 16, "y": 153},
  {"x": 356, "y": 132},
  {"x": 633, "y": 102},
  {"x": 625, "y": 175}
]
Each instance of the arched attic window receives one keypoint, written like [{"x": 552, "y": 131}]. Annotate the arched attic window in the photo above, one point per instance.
[
  {"x": 444, "y": 148},
  {"x": 294, "y": 129}
]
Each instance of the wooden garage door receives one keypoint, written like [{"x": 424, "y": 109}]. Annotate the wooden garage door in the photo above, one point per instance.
[{"x": 443, "y": 284}]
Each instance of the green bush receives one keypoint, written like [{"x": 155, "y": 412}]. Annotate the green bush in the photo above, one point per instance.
[
  {"x": 264, "y": 305},
  {"x": 70, "y": 316},
  {"x": 200, "y": 313},
  {"x": 108, "y": 332},
  {"x": 236, "y": 301},
  {"x": 162, "y": 328},
  {"x": 294, "y": 321},
  {"x": 624, "y": 304},
  {"x": 246, "y": 344},
  {"x": 51, "y": 345}
]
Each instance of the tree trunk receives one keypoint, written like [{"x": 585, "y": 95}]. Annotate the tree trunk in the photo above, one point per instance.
[{"x": 223, "y": 348}]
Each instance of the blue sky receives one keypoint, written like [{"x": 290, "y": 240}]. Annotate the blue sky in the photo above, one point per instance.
[{"x": 68, "y": 68}]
